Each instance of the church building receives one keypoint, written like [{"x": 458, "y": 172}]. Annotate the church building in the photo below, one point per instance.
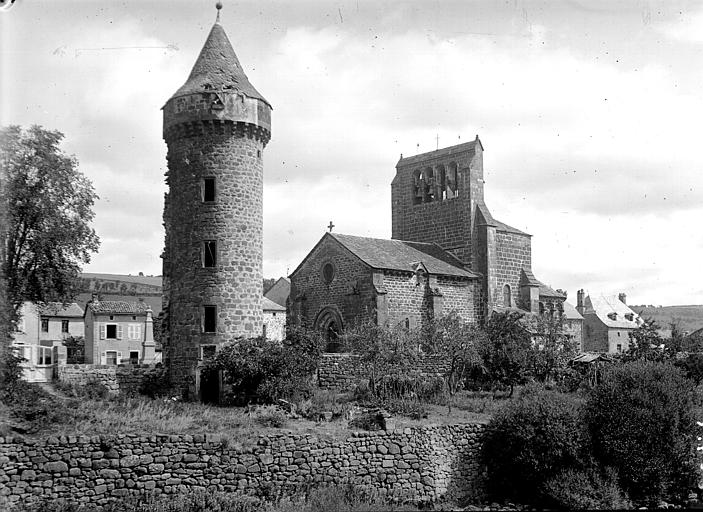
[{"x": 447, "y": 253}]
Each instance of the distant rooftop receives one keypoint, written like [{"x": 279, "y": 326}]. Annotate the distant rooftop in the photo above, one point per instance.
[
  {"x": 58, "y": 309},
  {"x": 119, "y": 307}
]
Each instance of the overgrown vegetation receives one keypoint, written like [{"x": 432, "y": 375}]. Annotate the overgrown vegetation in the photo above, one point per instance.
[
  {"x": 339, "y": 498},
  {"x": 641, "y": 421}
]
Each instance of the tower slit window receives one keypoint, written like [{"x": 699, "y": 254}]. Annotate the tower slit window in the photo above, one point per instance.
[
  {"x": 208, "y": 190},
  {"x": 209, "y": 319},
  {"x": 209, "y": 253}
]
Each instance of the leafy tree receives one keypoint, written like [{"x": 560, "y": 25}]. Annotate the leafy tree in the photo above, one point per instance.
[
  {"x": 507, "y": 353},
  {"x": 642, "y": 423},
  {"x": 553, "y": 348},
  {"x": 382, "y": 351},
  {"x": 49, "y": 212},
  {"x": 646, "y": 343},
  {"x": 531, "y": 440},
  {"x": 457, "y": 343},
  {"x": 269, "y": 370}
]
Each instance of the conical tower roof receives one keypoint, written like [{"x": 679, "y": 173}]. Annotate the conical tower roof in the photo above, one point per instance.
[{"x": 218, "y": 68}]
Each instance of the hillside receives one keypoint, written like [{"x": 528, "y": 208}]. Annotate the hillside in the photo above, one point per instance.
[{"x": 689, "y": 318}]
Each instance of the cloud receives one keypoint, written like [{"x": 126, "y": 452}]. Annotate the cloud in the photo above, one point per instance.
[{"x": 687, "y": 27}]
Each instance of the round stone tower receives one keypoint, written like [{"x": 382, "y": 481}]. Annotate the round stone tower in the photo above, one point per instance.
[{"x": 216, "y": 127}]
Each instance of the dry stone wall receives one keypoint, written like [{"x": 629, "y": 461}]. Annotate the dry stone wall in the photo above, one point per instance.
[
  {"x": 428, "y": 464},
  {"x": 118, "y": 380},
  {"x": 343, "y": 371}
]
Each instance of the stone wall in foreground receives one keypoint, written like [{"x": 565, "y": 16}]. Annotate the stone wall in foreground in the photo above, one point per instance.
[{"x": 427, "y": 464}]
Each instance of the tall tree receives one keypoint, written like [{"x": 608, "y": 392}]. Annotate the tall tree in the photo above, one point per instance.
[
  {"x": 507, "y": 353},
  {"x": 457, "y": 343},
  {"x": 50, "y": 207}
]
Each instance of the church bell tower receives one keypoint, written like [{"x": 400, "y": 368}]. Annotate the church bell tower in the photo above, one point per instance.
[{"x": 216, "y": 126}]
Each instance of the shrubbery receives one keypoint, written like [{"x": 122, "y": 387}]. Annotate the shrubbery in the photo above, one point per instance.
[
  {"x": 641, "y": 422},
  {"x": 265, "y": 371},
  {"x": 531, "y": 441},
  {"x": 579, "y": 489}
]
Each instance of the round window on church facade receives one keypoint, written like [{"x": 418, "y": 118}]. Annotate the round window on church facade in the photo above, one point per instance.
[{"x": 328, "y": 272}]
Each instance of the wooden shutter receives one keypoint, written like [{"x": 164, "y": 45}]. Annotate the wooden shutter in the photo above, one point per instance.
[
  {"x": 119, "y": 331},
  {"x": 119, "y": 358},
  {"x": 103, "y": 358},
  {"x": 137, "y": 332},
  {"x": 102, "y": 331}
]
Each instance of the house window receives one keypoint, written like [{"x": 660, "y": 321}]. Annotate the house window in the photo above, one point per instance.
[
  {"x": 134, "y": 331},
  {"x": 23, "y": 352},
  {"x": 208, "y": 190},
  {"x": 210, "y": 319},
  {"x": 263, "y": 331},
  {"x": 207, "y": 352},
  {"x": 64, "y": 325},
  {"x": 209, "y": 253},
  {"x": 619, "y": 346},
  {"x": 44, "y": 355},
  {"x": 111, "y": 357},
  {"x": 618, "y": 334},
  {"x": 134, "y": 357},
  {"x": 134, "y": 317},
  {"x": 44, "y": 325},
  {"x": 111, "y": 331}
]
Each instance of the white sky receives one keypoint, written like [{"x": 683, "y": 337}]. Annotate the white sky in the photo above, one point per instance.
[{"x": 590, "y": 112}]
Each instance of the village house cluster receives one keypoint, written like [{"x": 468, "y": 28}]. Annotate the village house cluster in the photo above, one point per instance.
[{"x": 447, "y": 253}]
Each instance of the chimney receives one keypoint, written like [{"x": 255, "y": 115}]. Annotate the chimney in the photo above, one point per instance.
[
  {"x": 580, "y": 302},
  {"x": 623, "y": 298}
]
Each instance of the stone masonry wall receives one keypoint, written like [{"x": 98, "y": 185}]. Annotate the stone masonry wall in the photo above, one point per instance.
[
  {"x": 513, "y": 252},
  {"x": 119, "y": 380},
  {"x": 234, "y": 220},
  {"x": 426, "y": 464},
  {"x": 350, "y": 292},
  {"x": 445, "y": 222},
  {"x": 342, "y": 371}
]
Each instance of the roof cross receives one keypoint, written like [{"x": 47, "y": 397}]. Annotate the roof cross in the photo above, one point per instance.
[{"x": 330, "y": 226}]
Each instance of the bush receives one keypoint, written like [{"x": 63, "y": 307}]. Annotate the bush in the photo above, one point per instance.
[
  {"x": 270, "y": 416},
  {"x": 265, "y": 371},
  {"x": 529, "y": 442},
  {"x": 34, "y": 410},
  {"x": 641, "y": 422},
  {"x": 155, "y": 383},
  {"x": 575, "y": 489}
]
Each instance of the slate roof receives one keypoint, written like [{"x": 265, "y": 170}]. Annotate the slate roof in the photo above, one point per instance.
[
  {"x": 279, "y": 292},
  {"x": 58, "y": 309},
  {"x": 528, "y": 278},
  {"x": 440, "y": 153},
  {"x": 570, "y": 312},
  {"x": 500, "y": 226},
  {"x": 119, "y": 307},
  {"x": 218, "y": 67},
  {"x": 398, "y": 255},
  {"x": 601, "y": 306},
  {"x": 269, "y": 305}
]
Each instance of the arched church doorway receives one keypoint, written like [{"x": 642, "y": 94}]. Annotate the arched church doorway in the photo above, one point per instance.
[{"x": 329, "y": 322}]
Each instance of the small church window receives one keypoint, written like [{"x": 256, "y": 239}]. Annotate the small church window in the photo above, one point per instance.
[
  {"x": 209, "y": 319},
  {"x": 451, "y": 184},
  {"x": 209, "y": 253},
  {"x": 328, "y": 272},
  {"x": 418, "y": 185},
  {"x": 208, "y": 190},
  {"x": 507, "y": 296}
]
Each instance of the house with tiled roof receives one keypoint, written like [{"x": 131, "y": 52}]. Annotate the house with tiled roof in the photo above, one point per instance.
[
  {"x": 279, "y": 292},
  {"x": 608, "y": 322},
  {"x": 119, "y": 332},
  {"x": 40, "y": 333},
  {"x": 348, "y": 279}
]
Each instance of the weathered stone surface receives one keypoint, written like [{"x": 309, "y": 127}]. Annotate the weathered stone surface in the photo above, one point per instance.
[{"x": 420, "y": 464}]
